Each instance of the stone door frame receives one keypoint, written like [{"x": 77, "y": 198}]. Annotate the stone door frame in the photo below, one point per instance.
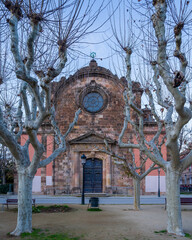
[
  {"x": 93, "y": 168},
  {"x": 77, "y": 170}
]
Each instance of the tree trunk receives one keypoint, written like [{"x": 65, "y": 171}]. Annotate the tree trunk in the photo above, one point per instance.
[
  {"x": 3, "y": 176},
  {"x": 24, "y": 217},
  {"x": 173, "y": 202},
  {"x": 136, "y": 184}
]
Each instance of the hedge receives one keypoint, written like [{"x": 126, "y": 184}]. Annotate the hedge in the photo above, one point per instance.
[{"x": 4, "y": 188}]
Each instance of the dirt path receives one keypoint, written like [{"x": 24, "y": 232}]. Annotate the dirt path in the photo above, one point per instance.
[{"x": 115, "y": 222}]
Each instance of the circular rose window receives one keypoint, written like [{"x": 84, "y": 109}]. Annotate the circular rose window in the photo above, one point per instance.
[{"x": 93, "y": 102}]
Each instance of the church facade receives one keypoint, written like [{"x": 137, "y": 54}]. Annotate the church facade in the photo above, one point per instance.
[{"x": 99, "y": 94}]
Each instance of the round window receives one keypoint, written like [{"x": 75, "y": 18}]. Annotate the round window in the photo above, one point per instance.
[{"x": 93, "y": 102}]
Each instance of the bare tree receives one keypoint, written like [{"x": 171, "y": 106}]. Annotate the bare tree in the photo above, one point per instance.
[
  {"x": 132, "y": 167},
  {"x": 163, "y": 26},
  {"x": 39, "y": 34}
]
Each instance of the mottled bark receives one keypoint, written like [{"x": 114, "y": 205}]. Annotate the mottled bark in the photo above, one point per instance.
[
  {"x": 136, "y": 184},
  {"x": 173, "y": 201},
  {"x": 24, "y": 217}
]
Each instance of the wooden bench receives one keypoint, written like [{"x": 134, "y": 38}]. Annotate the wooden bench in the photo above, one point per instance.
[
  {"x": 184, "y": 201},
  {"x": 10, "y": 201}
]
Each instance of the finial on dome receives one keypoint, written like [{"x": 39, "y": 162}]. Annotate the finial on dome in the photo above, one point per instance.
[
  {"x": 92, "y": 55},
  {"x": 92, "y": 63}
]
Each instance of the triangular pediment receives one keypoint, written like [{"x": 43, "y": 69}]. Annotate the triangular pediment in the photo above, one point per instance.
[{"x": 91, "y": 137}]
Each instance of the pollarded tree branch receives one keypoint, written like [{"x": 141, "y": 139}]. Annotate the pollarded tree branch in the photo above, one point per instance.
[
  {"x": 138, "y": 128},
  {"x": 178, "y": 54},
  {"x": 58, "y": 134},
  {"x": 186, "y": 161},
  {"x": 33, "y": 108},
  {"x": 48, "y": 160},
  {"x": 36, "y": 93},
  {"x": 39, "y": 149},
  {"x": 62, "y": 138},
  {"x": 129, "y": 102},
  {"x": 153, "y": 153},
  {"x": 21, "y": 71},
  {"x": 54, "y": 72},
  {"x": 130, "y": 166},
  {"x": 156, "y": 155},
  {"x": 30, "y": 44},
  {"x": 127, "y": 120},
  {"x": 9, "y": 140},
  {"x": 184, "y": 113},
  {"x": 25, "y": 101},
  {"x": 158, "y": 22},
  {"x": 19, "y": 120},
  {"x": 131, "y": 96},
  {"x": 71, "y": 125},
  {"x": 150, "y": 169},
  {"x": 158, "y": 86},
  {"x": 159, "y": 122},
  {"x": 120, "y": 160},
  {"x": 20, "y": 67}
]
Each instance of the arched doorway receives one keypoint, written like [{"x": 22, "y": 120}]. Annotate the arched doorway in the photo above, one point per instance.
[{"x": 93, "y": 175}]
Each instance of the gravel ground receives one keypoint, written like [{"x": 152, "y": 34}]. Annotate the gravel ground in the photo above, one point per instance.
[{"x": 115, "y": 222}]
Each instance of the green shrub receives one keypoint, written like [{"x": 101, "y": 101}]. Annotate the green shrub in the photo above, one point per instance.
[
  {"x": 4, "y": 188},
  {"x": 187, "y": 235},
  {"x": 35, "y": 210}
]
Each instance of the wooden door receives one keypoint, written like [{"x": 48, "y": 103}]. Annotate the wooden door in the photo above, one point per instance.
[{"x": 93, "y": 175}]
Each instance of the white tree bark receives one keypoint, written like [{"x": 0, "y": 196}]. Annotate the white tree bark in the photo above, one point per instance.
[
  {"x": 174, "y": 223},
  {"x": 163, "y": 78},
  {"x": 24, "y": 217},
  {"x": 38, "y": 86}
]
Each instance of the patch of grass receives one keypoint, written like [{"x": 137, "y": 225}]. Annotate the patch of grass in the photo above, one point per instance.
[
  {"x": 39, "y": 234},
  {"x": 35, "y": 233},
  {"x": 51, "y": 208},
  {"x": 187, "y": 235},
  {"x": 162, "y": 231},
  {"x": 94, "y": 210}
]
